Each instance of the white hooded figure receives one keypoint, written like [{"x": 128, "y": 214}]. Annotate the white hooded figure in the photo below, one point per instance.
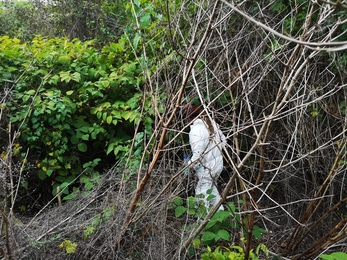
[{"x": 207, "y": 142}]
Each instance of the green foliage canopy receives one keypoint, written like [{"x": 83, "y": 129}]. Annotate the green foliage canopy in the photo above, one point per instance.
[{"x": 73, "y": 104}]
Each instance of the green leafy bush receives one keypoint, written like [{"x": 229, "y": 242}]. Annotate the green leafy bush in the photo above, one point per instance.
[
  {"x": 74, "y": 106},
  {"x": 220, "y": 226},
  {"x": 103, "y": 20}
]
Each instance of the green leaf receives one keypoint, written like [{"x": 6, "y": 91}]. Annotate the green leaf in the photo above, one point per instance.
[
  {"x": 104, "y": 116},
  {"x": 257, "y": 231},
  {"x": 64, "y": 59},
  {"x": 74, "y": 139},
  {"x": 334, "y": 256},
  {"x": 128, "y": 114},
  {"x": 82, "y": 147},
  {"x": 339, "y": 255},
  {"x": 116, "y": 47},
  {"x": 223, "y": 234},
  {"x": 110, "y": 147},
  {"x": 25, "y": 98},
  {"x": 178, "y": 201},
  {"x": 144, "y": 20},
  {"x": 210, "y": 197},
  {"x": 99, "y": 114},
  {"x": 109, "y": 120},
  {"x": 103, "y": 84},
  {"x": 49, "y": 172},
  {"x": 211, "y": 223},
  {"x": 42, "y": 175},
  {"x": 191, "y": 211},
  {"x": 71, "y": 196},
  {"x": 65, "y": 76},
  {"x": 137, "y": 3},
  {"x": 221, "y": 216},
  {"x": 136, "y": 40},
  {"x": 196, "y": 242},
  {"x": 31, "y": 92},
  {"x": 326, "y": 257},
  {"x": 89, "y": 185},
  {"x": 49, "y": 93},
  {"x": 208, "y": 237},
  {"x": 76, "y": 76},
  {"x": 180, "y": 210},
  {"x": 54, "y": 80},
  {"x": 85, "y": 137}
]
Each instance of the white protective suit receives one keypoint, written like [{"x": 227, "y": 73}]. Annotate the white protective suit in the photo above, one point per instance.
[{"x": 207, "y": 158}]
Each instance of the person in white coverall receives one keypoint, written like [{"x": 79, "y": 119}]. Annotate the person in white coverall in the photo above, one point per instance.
[{"x": 207, "y": 142}]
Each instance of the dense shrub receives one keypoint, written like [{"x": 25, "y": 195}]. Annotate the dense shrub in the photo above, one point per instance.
[
  {"x": 75, "y": 107},
  {"x": 102, "y": 20}
]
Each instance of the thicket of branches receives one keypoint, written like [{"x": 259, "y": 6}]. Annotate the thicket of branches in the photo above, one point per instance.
[
  {"x": 100, "y": 19},
  {"x": 272, "y": 74}
]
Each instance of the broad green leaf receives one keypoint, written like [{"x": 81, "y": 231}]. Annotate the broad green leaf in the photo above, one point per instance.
[
  {"x": 76, "y": 76},
  {"x": 49, "y": 172},
  {"x": 82, "y": 147},
  {"x": 144, "y": 20},
  {"x": 84, "y": 129},
  {"x": 223, "y": 234},
  {"x": 71, "y": 196},
  {"x": 42, "y": 175},
  {"x": 49, "y": 93},
  {"x": 208, "y": 237},
  {"x": 54, "y": 80},
  {"x": 196, "y": 242},
  {"x": 74, "y": 139},
  {"x": 257, "y": 231},
  {"x": 104, "y": 116},
  {"x": 116, "y": 47},
  {"x": 31, "y": 92},
  {"x": 210, "y": 197},
  {"x": 231, "y": 206},
  {"x": 104, "y": 83},
  {"x": 180, "y": 210},
  {"x": 64, "y": 59},
  {"x": 334, "y": 256},
  {"x": 25, "y": 98},
  {"x": 69, "y": 93},
  {"x": 136, "y": 40},
  {"x": 109, "y": 120},
  {"x": 89, "y": 185},
  {"x": 110, "y": 147},
  {"x": 85, "y": 137},
  {"x": 137, "y": 3},
  {"x": 221, "y": 216},
  {"x": 128, "y": 114},
  {"x": 211, "y": 223},
  {"x": 178, "y": 201},
  {"x": 117, "y": 149},
  {"x": 191, "y": 202},
  {"x": 339, "y": 255},
  {"x": 65, "y": 76},
  {"x": 99, "y": 114},
  {"x": 327, "y": 257}
]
